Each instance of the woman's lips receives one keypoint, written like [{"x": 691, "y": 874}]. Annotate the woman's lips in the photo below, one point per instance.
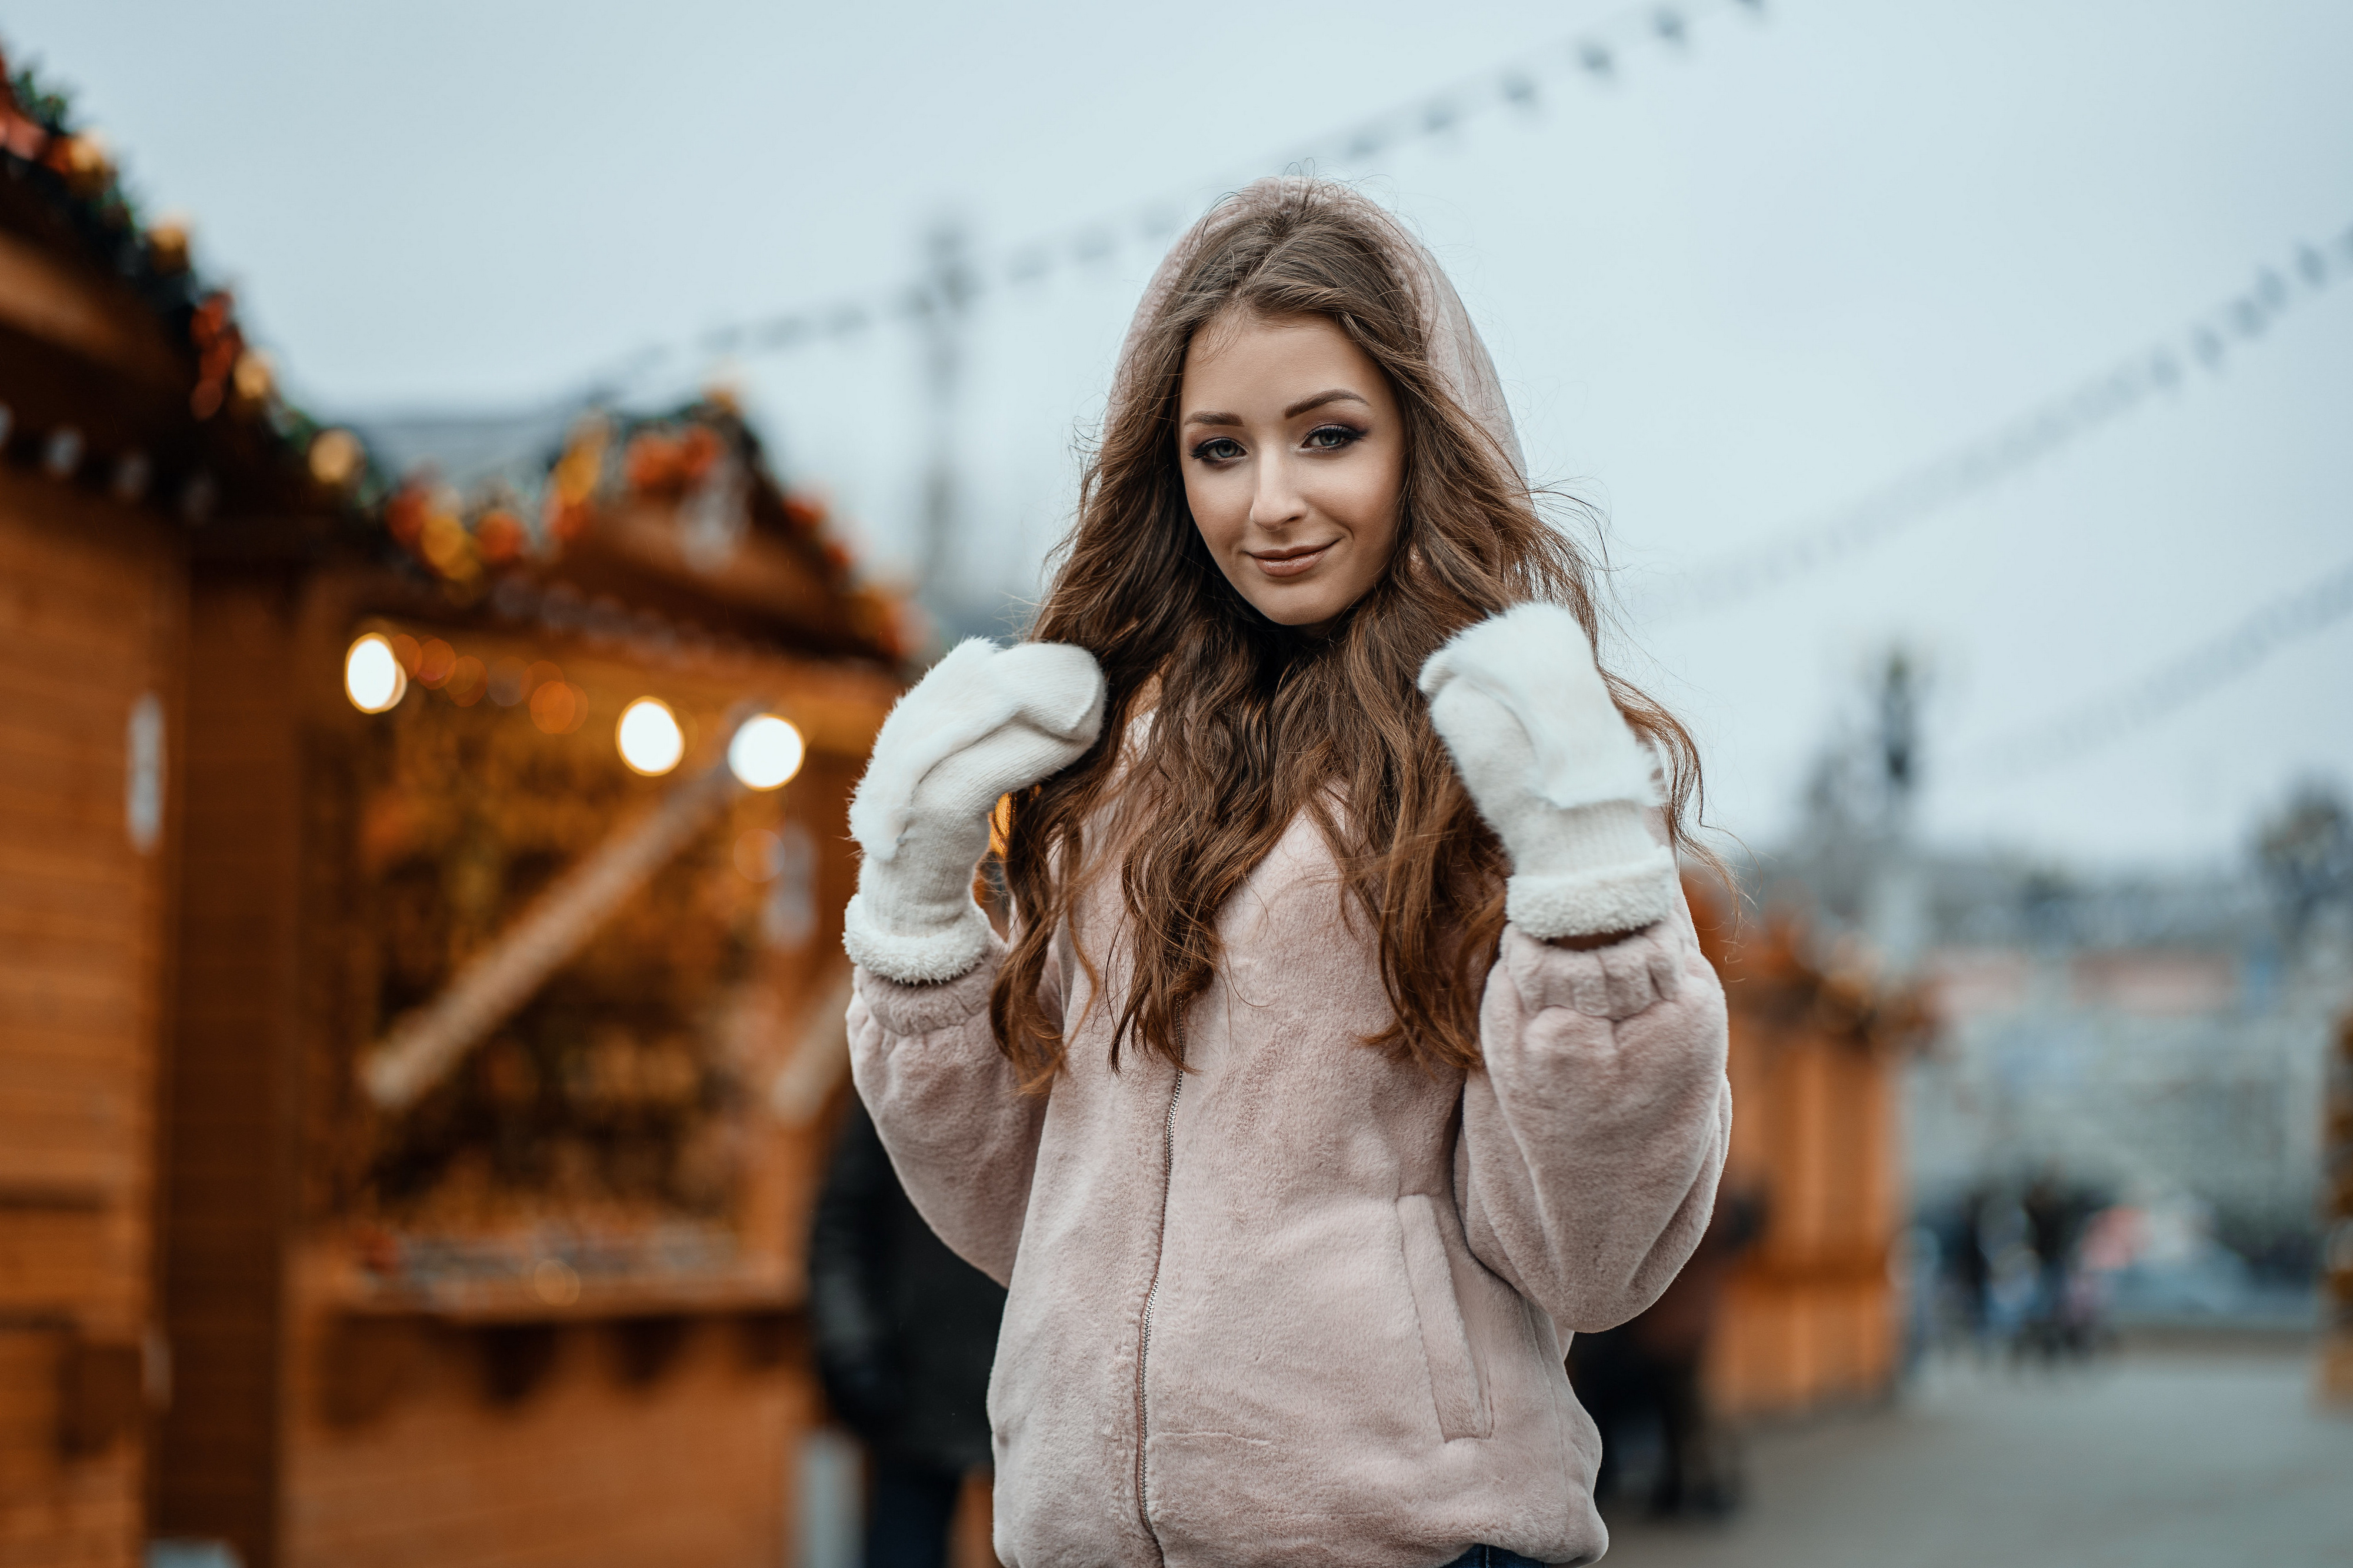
[{"x": 1291, "y": 562}]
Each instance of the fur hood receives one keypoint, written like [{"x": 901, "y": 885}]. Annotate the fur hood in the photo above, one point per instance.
[{"x": 1455, "y": 349}]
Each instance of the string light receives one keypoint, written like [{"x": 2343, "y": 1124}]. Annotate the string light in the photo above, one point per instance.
[
  {"x": 372, "y": 677},
  {"x": 649, "y": 737},
  {"x": 765, "y": 752},
  {"x": 2041, "y": 432},
  {"x": 2180, "y": 680},
  {"x": 337, "y": 457},
  {"x": 1594, "y": 53}
]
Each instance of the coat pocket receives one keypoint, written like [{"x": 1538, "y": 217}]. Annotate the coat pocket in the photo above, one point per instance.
[{"x": 1454, "y": 1389}]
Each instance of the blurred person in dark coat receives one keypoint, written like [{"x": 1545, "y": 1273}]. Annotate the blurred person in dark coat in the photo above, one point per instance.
[
  {"x": 1972, "y": 1257},
  {"x": 906, "y": 1332},
  {"x": 1646, "y": 1373},
  {"x": 2060, "y": 1320}
]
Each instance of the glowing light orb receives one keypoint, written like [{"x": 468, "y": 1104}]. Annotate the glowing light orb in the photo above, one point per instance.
[
  {"x": 372, "y": 677},
  {"x": 650, "y": 740},
  {"x": 765, "y": 752},
  {"x": 556, "y": 1283}
]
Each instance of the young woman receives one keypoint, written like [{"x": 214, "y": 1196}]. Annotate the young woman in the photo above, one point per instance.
[{"x": 1353, "y": 1047}]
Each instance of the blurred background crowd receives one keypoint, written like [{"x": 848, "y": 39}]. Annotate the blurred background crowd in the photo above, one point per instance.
[{"x": 448, "y": 586}]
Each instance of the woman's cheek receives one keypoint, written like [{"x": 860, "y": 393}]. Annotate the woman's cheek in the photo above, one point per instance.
[
  {"x": 1221, "y": 516},
  {"x": 1361, "y": 502},
  {"x": 1197, "y": 502}
]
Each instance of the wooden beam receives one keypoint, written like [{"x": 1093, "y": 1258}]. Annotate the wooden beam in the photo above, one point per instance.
[
  {"x": 49, "y": 299},
  {"x": 428, "y": 1042}
]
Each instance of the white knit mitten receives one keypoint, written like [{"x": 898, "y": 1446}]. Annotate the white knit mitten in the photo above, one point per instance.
[
  {"x": 1555, "y": 770},
  {"x": 985, "y": 720}
]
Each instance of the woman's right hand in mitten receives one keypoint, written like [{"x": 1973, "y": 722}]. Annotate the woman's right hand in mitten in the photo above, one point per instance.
[
  {"x": 985, "y": 720},
  {"x": 1556, "y": 771}
]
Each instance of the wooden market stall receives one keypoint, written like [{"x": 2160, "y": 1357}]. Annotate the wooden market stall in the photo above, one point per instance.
[
  {"x": 408, "y": 1102},
  {"x": 1811, "y": 1314},
  {"x": 131, "y": 412},
  {"x": 511, "y": 1013}
]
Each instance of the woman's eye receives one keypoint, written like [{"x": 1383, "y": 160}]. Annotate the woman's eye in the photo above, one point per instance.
[
  {"x": 1223, "y": 450},
  {"x": 1332, "y": 438}
]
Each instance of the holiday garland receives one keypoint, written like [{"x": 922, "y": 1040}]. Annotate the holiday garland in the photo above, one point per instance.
[
  {"x": 42, "y": 147},
  {"x": 462, "y": 539}
]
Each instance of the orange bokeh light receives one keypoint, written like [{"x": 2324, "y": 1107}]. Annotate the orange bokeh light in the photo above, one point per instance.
[
  {"x": 435, "y": 660},
  {"x": 499, "y": 537},
  {"x": 558, "y": 707},
  {"x": 467, "y": 681},
  {"x": 759, "y": 855},
  {"x": 510, "y": 682}
]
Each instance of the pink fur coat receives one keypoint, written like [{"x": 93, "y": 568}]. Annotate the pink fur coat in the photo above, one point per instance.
[{"x": 1308, "y": 1305}]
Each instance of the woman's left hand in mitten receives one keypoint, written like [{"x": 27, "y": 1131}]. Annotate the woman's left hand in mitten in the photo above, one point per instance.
[
  {"x": 984, "y": 721},
  {"x": 1555, "y": 770}
]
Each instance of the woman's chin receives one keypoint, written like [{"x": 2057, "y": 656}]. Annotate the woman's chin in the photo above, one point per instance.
[
  {"x": 1310, "y": 603},
  {"x": 1310, "y": 614}
]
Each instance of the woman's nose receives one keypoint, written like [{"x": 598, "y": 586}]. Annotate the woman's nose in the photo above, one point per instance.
[{"x": 1276, "y": 501}]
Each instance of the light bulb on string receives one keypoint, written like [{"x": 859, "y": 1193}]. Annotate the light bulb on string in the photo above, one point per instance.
[
  {"x": 649, "y": 738},
  {"x": 372, "y": 677},
  {"x": 765, "y": 752}
]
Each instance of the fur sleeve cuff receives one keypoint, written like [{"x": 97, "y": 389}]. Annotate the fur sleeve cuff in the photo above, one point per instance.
[
  {"x": 907, "y": 1011},
  {"x": 1624, "y": 897},
  {"x": 928, "y": 959},
  {"x": 1615, "y": 981}
]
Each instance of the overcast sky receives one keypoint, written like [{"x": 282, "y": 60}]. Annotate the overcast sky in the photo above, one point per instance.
[{"x": 1745, "y": 281}]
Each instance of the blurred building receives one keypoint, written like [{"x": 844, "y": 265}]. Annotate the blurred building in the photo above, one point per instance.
[
  {"x": 421, "y": 864},
  {"x": 2153, "y": 1038},
  {"x": 2149, "y": 1037},
  {"x": 2146, "y": 1039}
]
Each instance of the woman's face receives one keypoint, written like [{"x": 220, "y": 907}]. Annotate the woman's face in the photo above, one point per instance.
[{"x": 1293, "y": 455}]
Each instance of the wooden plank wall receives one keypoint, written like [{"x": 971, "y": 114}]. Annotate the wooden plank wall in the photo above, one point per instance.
[
  {"x": 666, "y": 1441},
  {"x": 91, "y": 604},
  {"x": 229, "y": 1157},
  {"x": 1809, "y": 1316}
]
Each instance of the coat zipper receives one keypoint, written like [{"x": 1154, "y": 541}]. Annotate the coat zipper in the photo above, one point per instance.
[{"x": 1152, "y": 1299}]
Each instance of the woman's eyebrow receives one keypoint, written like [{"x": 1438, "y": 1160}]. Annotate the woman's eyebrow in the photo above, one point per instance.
[{"x": 1337, "y": 395}]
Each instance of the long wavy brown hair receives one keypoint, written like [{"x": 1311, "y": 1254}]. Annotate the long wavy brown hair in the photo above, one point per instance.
[{"x": 1252, "y": 723}]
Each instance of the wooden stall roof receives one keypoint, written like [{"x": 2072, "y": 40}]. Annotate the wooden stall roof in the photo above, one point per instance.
[
  {"x": 131, "y": 371},
  {"x": 619, "y": 523},
  {"x": 136, "y": 378},
  {"x": 1778, "y": 973}
]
